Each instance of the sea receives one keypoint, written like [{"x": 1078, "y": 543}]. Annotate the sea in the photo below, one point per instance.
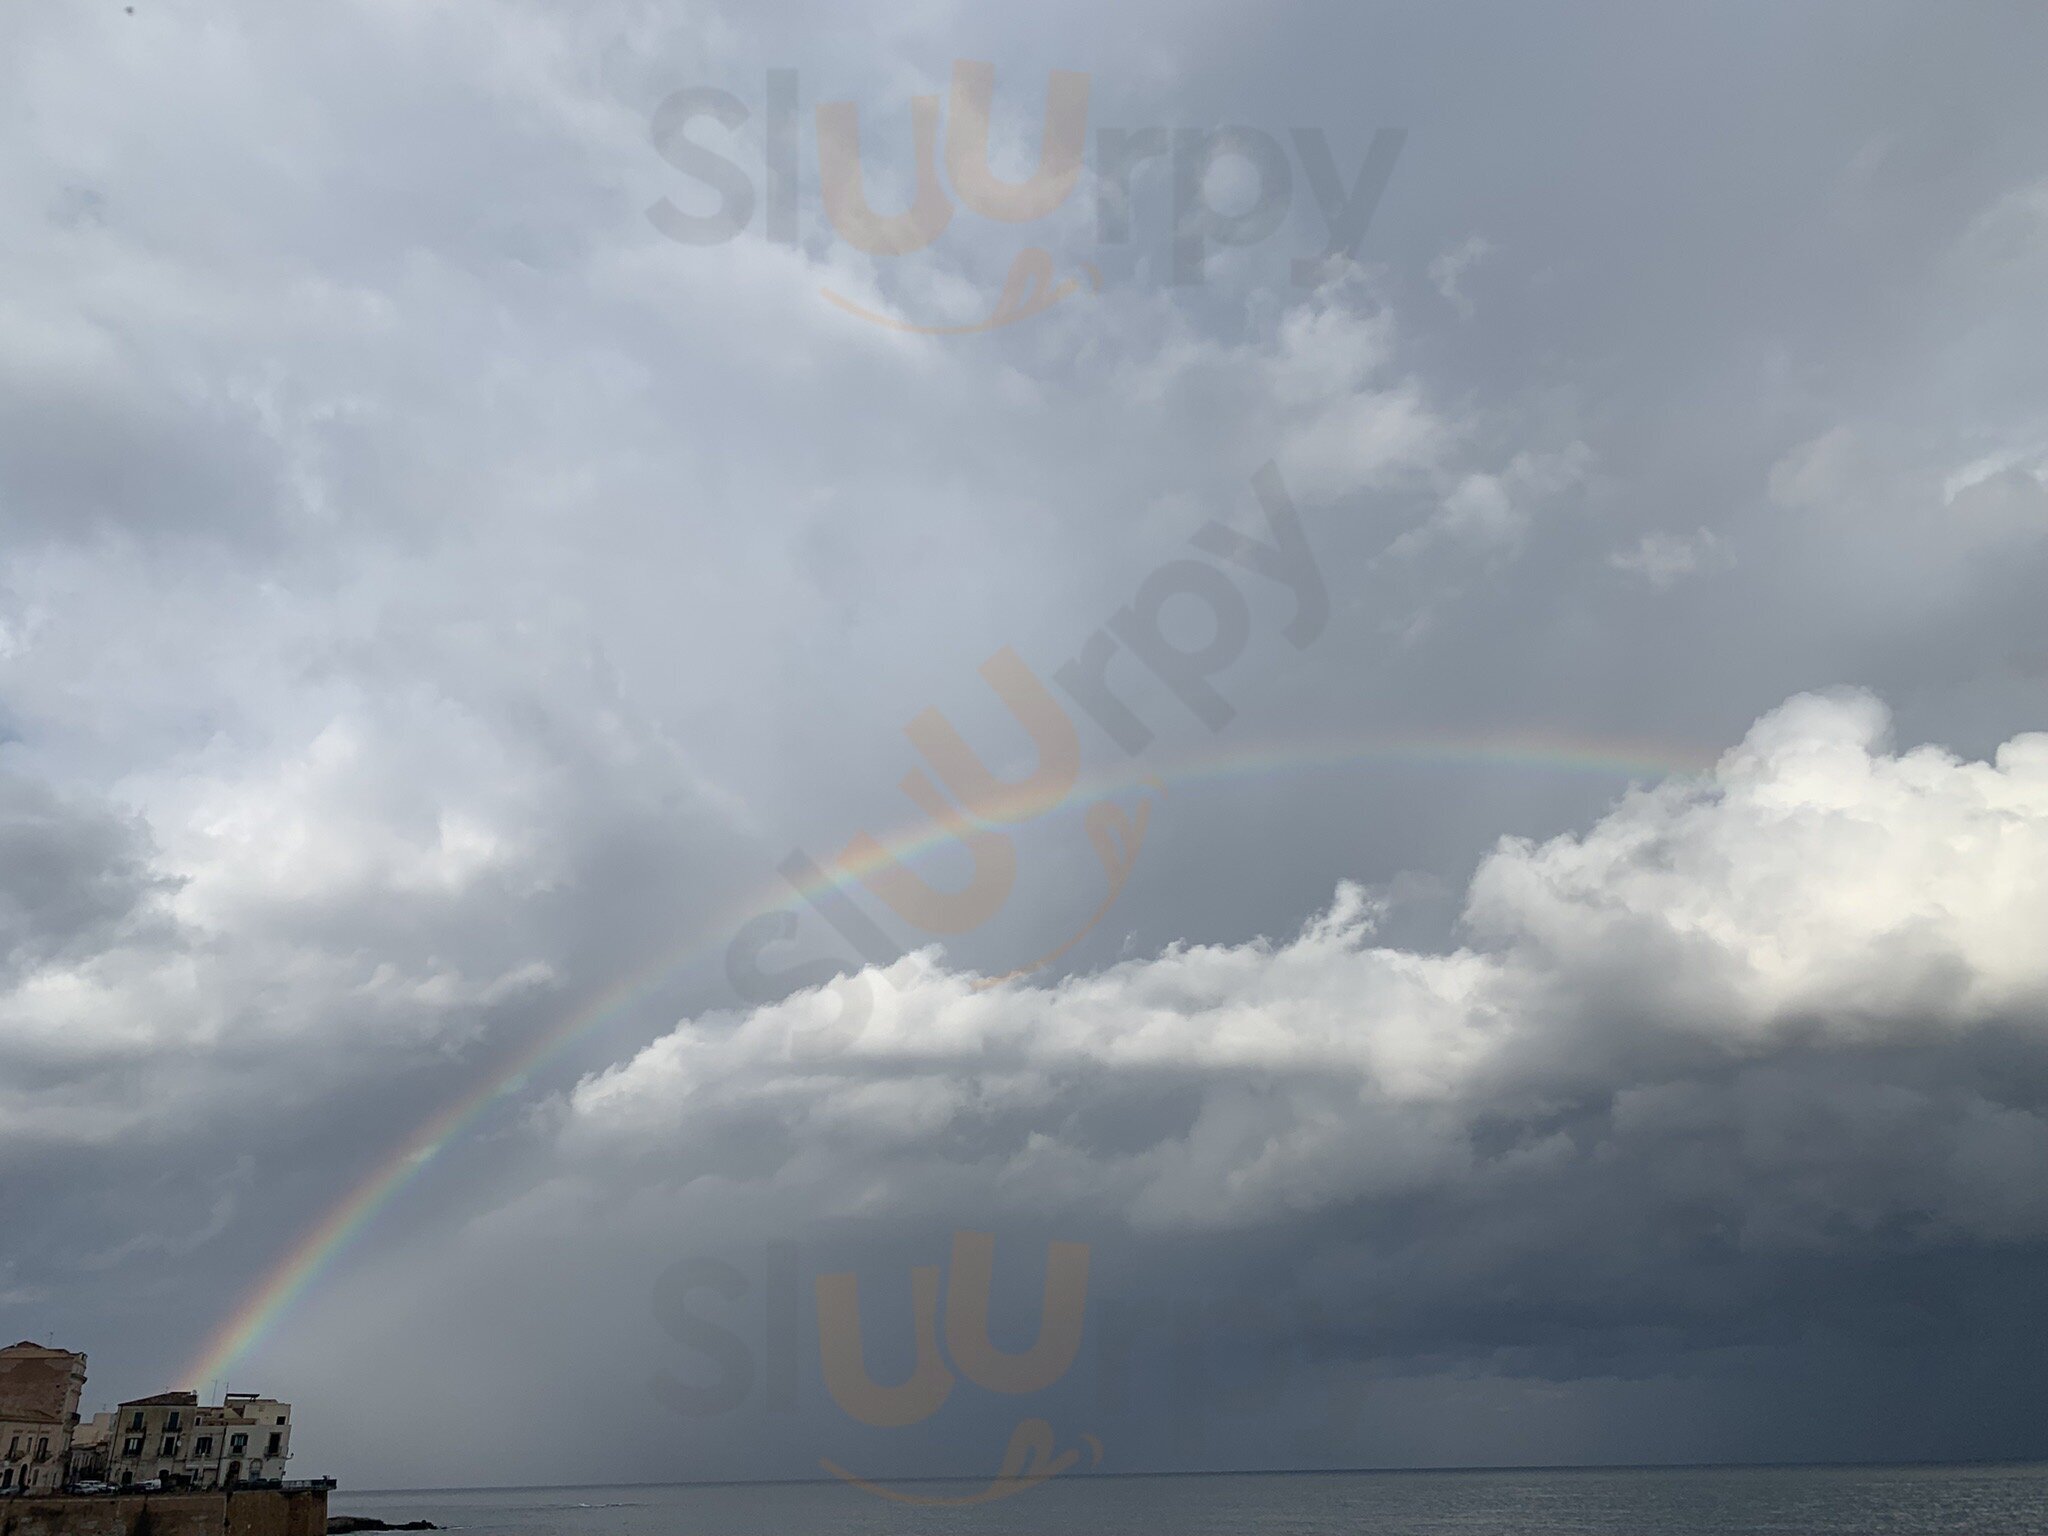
[{"x": 1980, "y": 1500}]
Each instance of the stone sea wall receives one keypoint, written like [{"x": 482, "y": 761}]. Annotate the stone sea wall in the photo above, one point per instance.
[{"x": 230, "y": 1512}]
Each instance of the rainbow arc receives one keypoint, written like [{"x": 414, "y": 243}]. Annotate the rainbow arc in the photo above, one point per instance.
[{"x": 295, "y": 1270}]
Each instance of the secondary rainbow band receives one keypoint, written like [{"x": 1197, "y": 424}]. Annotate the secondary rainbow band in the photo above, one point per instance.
[{"x": 296, "y": 1269}]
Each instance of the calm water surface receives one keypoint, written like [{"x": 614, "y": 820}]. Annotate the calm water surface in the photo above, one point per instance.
[{"x": 1708, "y": 1501}]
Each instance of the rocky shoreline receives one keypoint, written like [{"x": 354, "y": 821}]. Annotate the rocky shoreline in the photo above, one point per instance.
[{"x": 345, "y": 1525}]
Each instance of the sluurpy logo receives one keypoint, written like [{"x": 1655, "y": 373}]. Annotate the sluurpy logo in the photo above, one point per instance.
[
  {"x": 1155, "y": 1369},
  {"x": 1030, "y": 1458},
  {"x": 986, "y": 810},
  {"x": 955, "y": 132},
  {"x": 943, "y": 1355}
]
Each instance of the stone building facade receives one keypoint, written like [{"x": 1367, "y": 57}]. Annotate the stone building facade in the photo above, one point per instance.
[
  {"x": 175, "y": 1440},
  {"x": 39, "y": 1391},
  {"x": 170, "y": 1441}
]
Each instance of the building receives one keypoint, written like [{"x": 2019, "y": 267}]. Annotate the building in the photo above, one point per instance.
[
  {"x": 174, "y": 1440},
  {"x": 89, "y": 1451},
  {"x": 147, "y": 1438},
  {"x": 254, "y": 1436},
  {"x": 39, "y": 1391},
  {"x": 171, "y": 1440}
]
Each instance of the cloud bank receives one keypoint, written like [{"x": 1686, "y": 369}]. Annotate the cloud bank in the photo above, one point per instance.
[{"x": 1743, "y": 1066}]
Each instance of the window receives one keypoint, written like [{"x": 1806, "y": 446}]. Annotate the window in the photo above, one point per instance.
[
  {"x": 14, "y": 1446},
  {"x": 280, "y": 1418},
  {"x": 43, "y": 1448},
  {"x": 7, "y": 1478},
  {"x": 276, "y": 1445},
  {"x": 132, "y": 1446},
  {"x": 238, "y": 1444},
  {"x": 136, "y": 1422},
  {"x": 204, "y": 1446},
  {"x": 170, "y": 1446},
  {"x": 173, "y": 1422}
]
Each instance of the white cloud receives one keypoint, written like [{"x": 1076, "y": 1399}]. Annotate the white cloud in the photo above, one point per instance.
[
  {"x": 1816, "y": 893},
  {"x": 1664, "y": 559},
  {"x": 1708, "y": 1063},
  {"x": 1489, "y": 513},
  {"x": 1449, "y": 271},
  {"x": 1820, "y": 474}
]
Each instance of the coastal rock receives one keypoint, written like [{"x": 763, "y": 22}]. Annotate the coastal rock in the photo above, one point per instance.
[{"x": 344, "y": 1525}]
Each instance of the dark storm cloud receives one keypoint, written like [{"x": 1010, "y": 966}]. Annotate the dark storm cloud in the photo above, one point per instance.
[
  {"x": 1737, "y": 1084},
  {"x": 73, "y": 878}
]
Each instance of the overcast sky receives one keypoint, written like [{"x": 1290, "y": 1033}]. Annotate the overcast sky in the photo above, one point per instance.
[{"x": 1574, "y": 985}]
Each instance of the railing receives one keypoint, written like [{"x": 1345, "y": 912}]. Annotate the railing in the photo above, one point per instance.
[{"x": 247, "y": 1484}]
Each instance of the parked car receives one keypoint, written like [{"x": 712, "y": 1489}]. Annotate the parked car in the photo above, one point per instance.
[{"x": 92, "y": 1486}]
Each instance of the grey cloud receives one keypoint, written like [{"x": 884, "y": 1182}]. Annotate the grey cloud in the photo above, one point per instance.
[
  {"x": 1643, "y": 1129},
  {"x": 74, "y": 878}
]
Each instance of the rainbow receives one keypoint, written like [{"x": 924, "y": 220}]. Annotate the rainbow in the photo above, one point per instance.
[{"x": 296, "y": 1269}]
